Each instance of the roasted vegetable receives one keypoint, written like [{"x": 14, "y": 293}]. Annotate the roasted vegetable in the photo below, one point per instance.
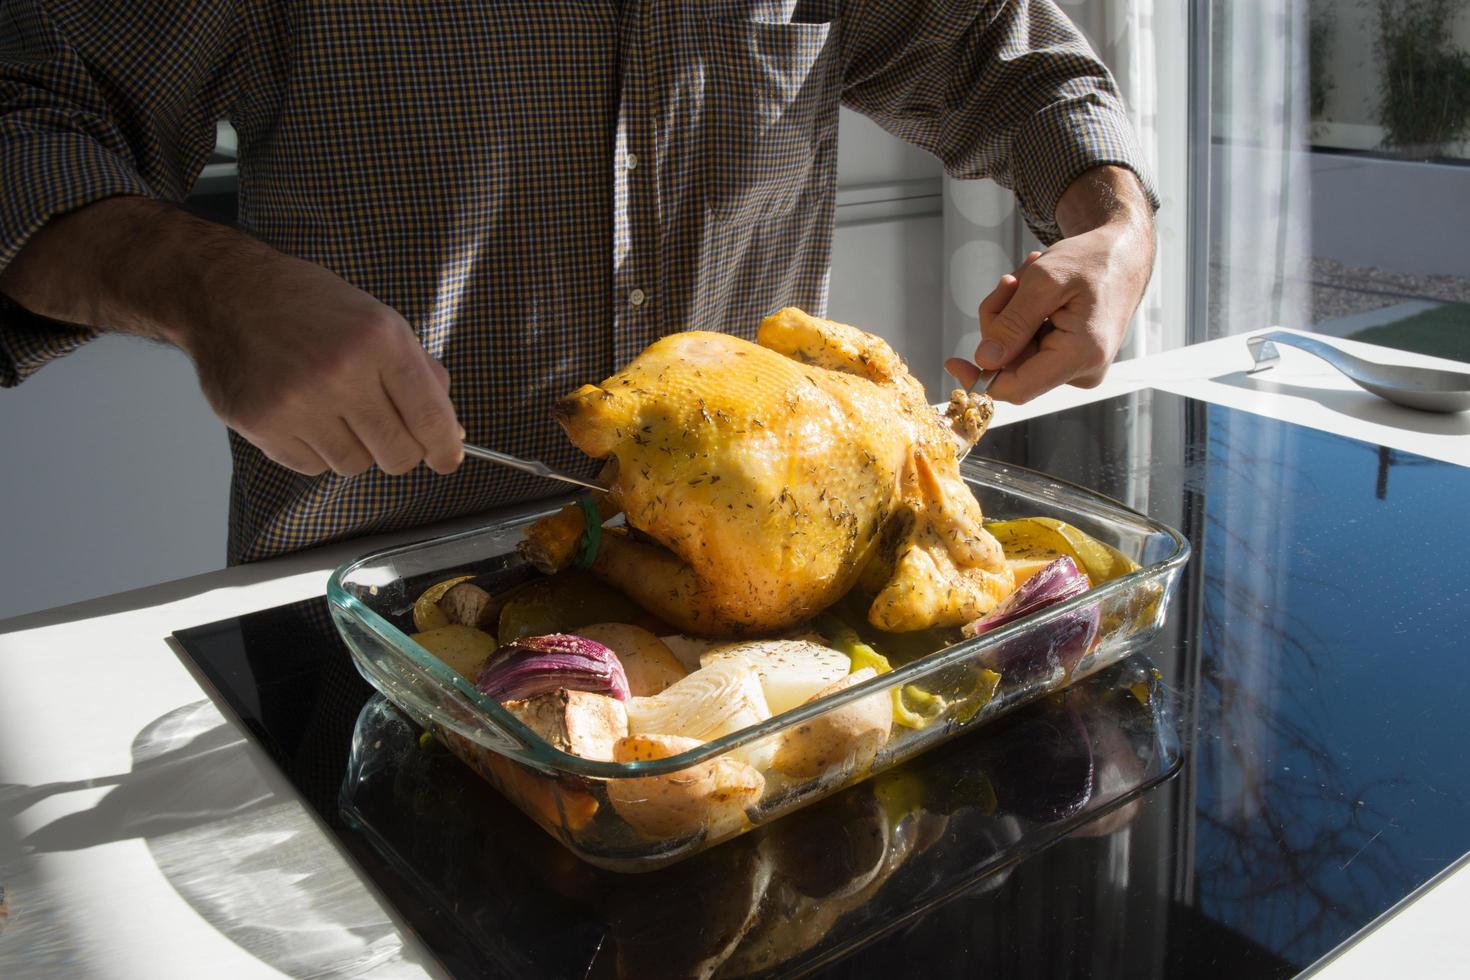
[
  {"x": 565, "y": 603},
  {"x": 470, "y": 605},
  {"x": 1031, "y": 543},
  {"x": 688, "y": 649},
  {"x": 577, "y": 722},
  {"x": 536, "y": 665},
  {"x": 650, "y": 665},
  {"x": 1062, "y": 643},
  {"x": 713, "y": 701},
  {"x": 912, "y": 707},
  {"x": 557, "y": 805},
  {"x": 846, "y": 738},
  {"x": 790, "y": 671},
  {"x": 426, "y": 612},
  {"x": 462, "y": 648},
  {"x": 712, "y": 795},
  {"x": 1061, "y": 579}
]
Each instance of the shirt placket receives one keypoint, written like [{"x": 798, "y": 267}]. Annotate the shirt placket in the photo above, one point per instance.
[{"x": 635, "y": 232}]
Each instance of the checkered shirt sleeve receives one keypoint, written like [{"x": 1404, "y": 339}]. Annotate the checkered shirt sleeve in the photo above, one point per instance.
[
  {"x": 97, "y": 100},
  {"x": 1008, "y": 90}
]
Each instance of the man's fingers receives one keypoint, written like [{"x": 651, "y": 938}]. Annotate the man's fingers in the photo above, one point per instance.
[
  {"x": 336, "y": 444},
  {"x": 296, "y": 455},
  {"x": 425, "y": 407},
  {"x": 1030, "y": 376},
  {"x": 965, "y": 373},
  {"x": 998, "y": 298},
  {"x": 380, "y": 428},
  {"x": 441, "y": 373},
  {"x": 991, "y": 306},
  {"x": 1007, "y": 331}
]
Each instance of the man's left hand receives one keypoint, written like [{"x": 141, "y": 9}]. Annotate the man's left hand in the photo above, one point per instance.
[{"x": 1061, "y": 317}]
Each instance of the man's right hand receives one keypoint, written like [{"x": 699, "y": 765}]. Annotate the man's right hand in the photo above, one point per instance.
[
  {"x": 312, "y": 370},
  {"x": 321, "y": 376}
]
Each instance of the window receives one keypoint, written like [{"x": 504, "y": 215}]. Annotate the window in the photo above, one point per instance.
[{"x": 1338, "y": 188}]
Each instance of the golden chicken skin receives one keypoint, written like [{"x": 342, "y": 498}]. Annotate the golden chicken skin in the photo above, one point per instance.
[{"x": 761, "y": 482}]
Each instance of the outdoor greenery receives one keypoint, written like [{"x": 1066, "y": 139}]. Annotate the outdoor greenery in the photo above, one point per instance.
[
  {"x": 1441, "y": 332},
  {"x": 1426, "y": 93},
  {"x": 1320, "y": 31}
]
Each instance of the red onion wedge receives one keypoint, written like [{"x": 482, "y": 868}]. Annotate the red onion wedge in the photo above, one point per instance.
[
  {"x": 535, "y": 665},
  {"x": 1062, "y": 643}
]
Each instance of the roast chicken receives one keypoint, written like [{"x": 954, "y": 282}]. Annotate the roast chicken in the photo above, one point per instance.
[{"x": 763, "y": 482}]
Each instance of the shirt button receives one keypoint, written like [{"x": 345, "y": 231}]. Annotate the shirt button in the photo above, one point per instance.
[
  {"x": 636, "y": 297},
  {"x": 632, "y": 160}
]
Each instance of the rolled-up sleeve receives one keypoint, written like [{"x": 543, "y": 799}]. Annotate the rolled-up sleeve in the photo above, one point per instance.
[
  {"x": 1008, "y": 90},
  {"x": 99, "y": 99}
]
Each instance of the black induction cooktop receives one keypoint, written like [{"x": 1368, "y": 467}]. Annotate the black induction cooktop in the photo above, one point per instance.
[{"x": 1273, "y": 772}]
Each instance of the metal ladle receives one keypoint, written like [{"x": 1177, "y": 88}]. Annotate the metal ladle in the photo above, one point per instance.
[{"x": 1425, "y": 389}]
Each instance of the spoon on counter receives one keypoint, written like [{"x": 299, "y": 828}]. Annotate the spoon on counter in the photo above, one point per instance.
[{"x": 1425, "y": 389}]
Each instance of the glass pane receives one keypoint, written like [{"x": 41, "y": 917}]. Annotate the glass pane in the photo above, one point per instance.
[{"x": 1339, "y": 197}]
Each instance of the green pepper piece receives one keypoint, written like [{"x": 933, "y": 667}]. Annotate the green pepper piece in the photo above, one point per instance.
[
  {"x": 985, "y": 687},
  {"x": 862, "y": 654}
]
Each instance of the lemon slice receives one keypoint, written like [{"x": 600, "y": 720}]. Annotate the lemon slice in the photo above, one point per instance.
[{"x": 1030, "y": 543}]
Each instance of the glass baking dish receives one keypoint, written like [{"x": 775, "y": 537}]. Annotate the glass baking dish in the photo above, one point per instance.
[
  {"x": 814, "y": 887},
  {"x": 372, "y": 599}
]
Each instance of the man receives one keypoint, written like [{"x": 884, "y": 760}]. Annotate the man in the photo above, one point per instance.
[{"x": 518, "y": 196}]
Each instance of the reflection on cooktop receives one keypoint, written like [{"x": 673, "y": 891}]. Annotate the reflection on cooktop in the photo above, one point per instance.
[{"x": 1312, "y": 658}]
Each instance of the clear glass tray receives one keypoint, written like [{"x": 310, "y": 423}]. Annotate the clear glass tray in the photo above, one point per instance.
[
  {"x": 815, "y": 887},
  {"x": 372, "y": 598}
]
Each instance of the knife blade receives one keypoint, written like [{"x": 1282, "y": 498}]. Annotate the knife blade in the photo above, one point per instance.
[{"x": 534, "y": 467}]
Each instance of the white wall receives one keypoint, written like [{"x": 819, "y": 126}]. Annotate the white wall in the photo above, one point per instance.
[
  {"x": 887, "y": 253},
  {"x": 117, "y": 475}
]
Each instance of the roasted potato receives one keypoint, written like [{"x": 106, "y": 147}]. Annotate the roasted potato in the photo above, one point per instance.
[
  {"x": 470, "y": 605},
  {"x": 462, "y": 648},
  {"x": 579, "y": 722},
  {"x": 848, "y": 737},
  {"x": 426, "y": 612},
  {"x": 712, "y": 795},
  {"x": 650, "y": 665}
]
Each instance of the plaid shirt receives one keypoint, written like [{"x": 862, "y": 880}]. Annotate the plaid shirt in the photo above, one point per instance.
[{"x": 541, "y": 188}]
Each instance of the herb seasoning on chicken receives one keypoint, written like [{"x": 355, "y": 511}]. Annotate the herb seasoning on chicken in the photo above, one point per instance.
[{"x": 768, "y": 479}]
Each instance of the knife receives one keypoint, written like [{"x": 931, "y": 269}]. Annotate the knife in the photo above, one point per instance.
[{"x": 534, "y": 467}]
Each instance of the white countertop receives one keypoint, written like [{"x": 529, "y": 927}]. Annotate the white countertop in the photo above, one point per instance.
[{"x": 143, "y": 835}]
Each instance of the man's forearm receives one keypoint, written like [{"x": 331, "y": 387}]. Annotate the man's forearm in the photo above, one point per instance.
[
  {"x": 315, "y": 372},
  {"x": 129, "y": 265},
  {"x": 1102, "y": 196}
]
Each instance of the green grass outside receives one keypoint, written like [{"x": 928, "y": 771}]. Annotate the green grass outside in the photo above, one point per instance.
[{"x": 1441, "y": 332}]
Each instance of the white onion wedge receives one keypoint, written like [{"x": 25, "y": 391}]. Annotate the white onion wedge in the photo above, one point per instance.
[
  {"x": 713, "y": 701},
  {"x": 790, "y": 671}
]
